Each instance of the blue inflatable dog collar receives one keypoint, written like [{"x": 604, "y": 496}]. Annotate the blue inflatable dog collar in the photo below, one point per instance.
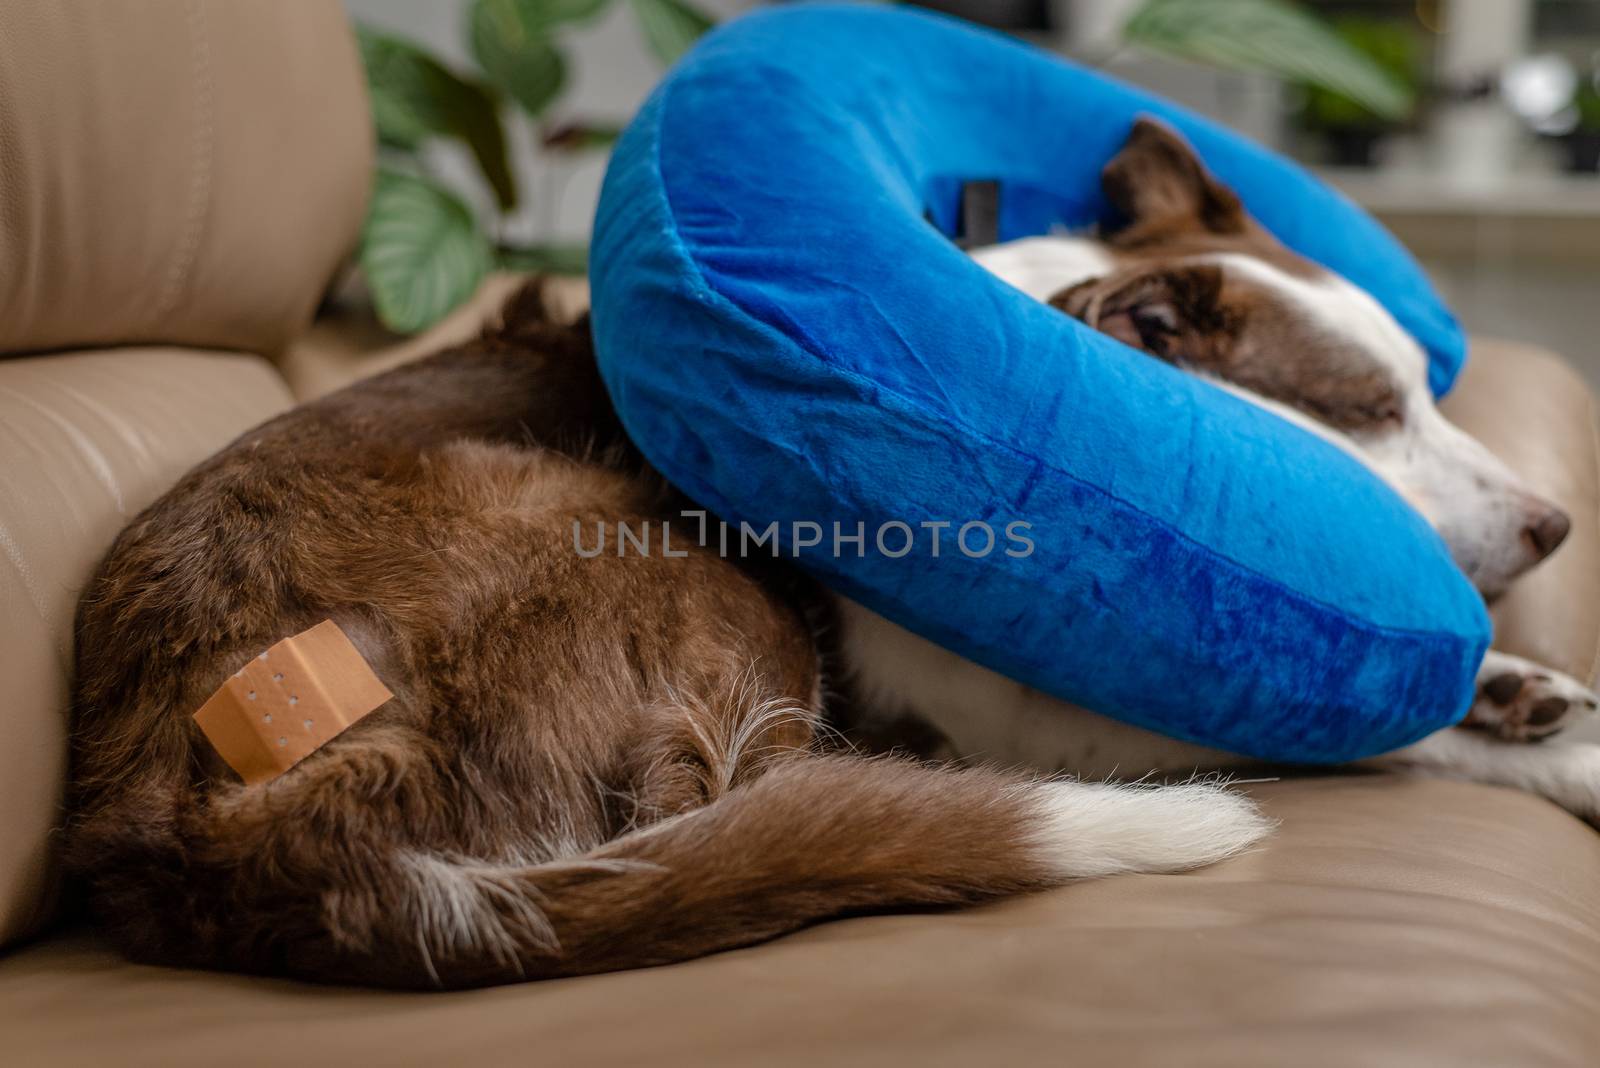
[{"x": 790, "y": 341}]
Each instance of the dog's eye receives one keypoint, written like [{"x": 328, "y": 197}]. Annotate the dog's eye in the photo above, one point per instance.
[
  {"x": 1353, "y": 416},
  {"x": 1382, "y": 412},
  {"x": 1156, "y": 324}
]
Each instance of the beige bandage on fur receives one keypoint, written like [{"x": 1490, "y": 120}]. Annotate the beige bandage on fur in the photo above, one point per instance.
[{"x": 290, "y": 700}]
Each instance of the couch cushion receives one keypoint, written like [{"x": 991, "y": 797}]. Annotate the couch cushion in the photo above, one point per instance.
[
  {"x": 184, "y": 171},
  {"x": 1388, "y": 922},
  {"x": 88, "y": 441}
]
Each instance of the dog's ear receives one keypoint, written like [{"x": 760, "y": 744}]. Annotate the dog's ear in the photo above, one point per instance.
[
  {"x": 1174, "y": 313},
  {"x": 1157, "y": 183}
]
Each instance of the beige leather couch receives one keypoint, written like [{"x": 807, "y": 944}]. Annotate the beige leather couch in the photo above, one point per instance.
[{"x": 178, "y": 183}]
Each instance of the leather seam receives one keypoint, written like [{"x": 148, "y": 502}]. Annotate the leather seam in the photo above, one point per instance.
[
  {"x": 200, "y": 179},
  {"x": 13, "y": 554}
]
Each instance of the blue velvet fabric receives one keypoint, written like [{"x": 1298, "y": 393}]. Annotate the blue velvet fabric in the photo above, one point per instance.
[{"x": 788, "y": 338}]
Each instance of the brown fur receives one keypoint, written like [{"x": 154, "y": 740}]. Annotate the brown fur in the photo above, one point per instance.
[{"x": 588, "y": 763}]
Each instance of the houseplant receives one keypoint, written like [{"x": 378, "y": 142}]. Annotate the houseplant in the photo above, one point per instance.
[{"x": 423, "y": 249}]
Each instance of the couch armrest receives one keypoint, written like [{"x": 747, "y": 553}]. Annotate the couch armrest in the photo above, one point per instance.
[{"x": 88, "y": 441}]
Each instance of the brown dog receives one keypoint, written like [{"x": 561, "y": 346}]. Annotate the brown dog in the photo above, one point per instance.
[
  {"x": 602, "y": 760},
  {"x": 589, "y": 763}
]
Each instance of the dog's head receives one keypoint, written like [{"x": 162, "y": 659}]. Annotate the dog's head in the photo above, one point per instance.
[{"x": 1192, "y": 279}]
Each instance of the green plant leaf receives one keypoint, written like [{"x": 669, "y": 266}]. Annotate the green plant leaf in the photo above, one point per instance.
[
  {"x": 399, "y": 77},
  {"x": 415, "y": 97},
  {"x": 421, "y": 250},
  {"x": 516, "y": 54},
  {"x": 1270, "y": 36},
  {"x": 670, "y": 26},
  {"x": 554, "y": 259},
  {"x": 476, "y": 116},
  {"x": 1392, "y": 45}
]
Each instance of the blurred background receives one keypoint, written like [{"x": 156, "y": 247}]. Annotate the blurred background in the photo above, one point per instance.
[{"x": 1470, "y": 127}]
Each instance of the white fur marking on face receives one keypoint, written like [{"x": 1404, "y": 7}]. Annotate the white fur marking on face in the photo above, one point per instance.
[
  {"x": 1344, "y": 311},
  {"x": 1474, "y": 501},
  {"x": 1043, "y": 266}
]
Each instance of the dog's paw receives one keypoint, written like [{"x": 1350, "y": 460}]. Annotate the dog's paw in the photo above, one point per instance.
[
  {"x": 1093, "y": 829},
  {"x": 1520, "y": 701},
  {"x": 1571, "y": 779}
]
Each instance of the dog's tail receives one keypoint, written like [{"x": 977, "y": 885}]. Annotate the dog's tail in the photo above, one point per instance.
[
  {"x": 818, "y": 836},
  {"x": 271, "y": 889}
]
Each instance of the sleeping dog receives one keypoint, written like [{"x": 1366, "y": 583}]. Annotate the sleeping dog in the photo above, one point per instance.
[{"x": 608, "y": 761}]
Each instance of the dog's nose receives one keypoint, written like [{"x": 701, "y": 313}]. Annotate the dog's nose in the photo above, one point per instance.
[{"x": 1547, "y": 530}]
